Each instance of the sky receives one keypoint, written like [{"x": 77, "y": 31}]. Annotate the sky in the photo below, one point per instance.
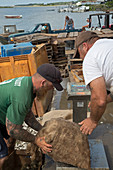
[{"x": 15, "y": 2}]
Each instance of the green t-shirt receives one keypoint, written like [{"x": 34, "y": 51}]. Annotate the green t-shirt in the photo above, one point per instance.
[{"x": 16, "y": 98}]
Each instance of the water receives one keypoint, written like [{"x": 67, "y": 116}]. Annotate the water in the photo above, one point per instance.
[{"x": 34, "y": 15}]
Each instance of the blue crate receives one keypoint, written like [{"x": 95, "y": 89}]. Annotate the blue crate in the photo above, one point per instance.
[{"x": 16, "y": 49}]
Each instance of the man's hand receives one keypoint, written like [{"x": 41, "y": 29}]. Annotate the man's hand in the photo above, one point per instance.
[
  {"x": 40, "y": 142},
  {"x": 87, "y": 126}
]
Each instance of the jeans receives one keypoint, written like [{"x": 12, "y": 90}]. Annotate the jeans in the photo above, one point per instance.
[{"x": 3, "y": 146}]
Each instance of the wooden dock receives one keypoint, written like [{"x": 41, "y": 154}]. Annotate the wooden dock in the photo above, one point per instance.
[{"x": 56, "y": 44}]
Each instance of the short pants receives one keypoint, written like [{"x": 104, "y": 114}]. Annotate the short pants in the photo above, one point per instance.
[{"x": 3, "y": 146}]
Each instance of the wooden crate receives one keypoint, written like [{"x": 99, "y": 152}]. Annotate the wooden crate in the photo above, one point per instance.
[{"x": 22, "y": 65}]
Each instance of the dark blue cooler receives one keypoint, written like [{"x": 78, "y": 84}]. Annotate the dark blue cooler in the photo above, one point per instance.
[{"x": 16, "y": 49}]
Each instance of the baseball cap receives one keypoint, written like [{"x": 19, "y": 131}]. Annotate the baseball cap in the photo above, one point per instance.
[
  {"x": 84, "y": 36},
  {"x": 52, "y": 74}
]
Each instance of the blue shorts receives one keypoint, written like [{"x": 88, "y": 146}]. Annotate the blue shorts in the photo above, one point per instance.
[{"x": 3, "y": 146}]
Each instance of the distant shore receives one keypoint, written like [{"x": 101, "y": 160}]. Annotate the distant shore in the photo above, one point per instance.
[
  {"x": 43, "y": 5},
  {"x": 28, "y": 6},
  {"x": 6, "y": 7},
  {"x": 38, "y": 5},
  {"x": 92, "y": 7}
]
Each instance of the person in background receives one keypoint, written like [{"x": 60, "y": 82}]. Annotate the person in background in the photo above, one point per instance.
[
  {"x": 69, "y": 23},
  {"x": 16, "y": 98},
  {"x": 97, "y": 55},
  {"x": 45, "y": 29},
  {"x": 87, "y": 25}
]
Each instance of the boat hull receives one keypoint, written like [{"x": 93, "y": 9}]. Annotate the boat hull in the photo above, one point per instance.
[{"x": 13, "y": 16}]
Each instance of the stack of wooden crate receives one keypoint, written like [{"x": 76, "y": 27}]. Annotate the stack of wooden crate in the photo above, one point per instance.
[
  {"x": 59, "y": 57},
  {"x": 49, "y": 50}
]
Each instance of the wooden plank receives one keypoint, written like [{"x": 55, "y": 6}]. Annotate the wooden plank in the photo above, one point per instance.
[
  {"x": 70, "y": 34},
  {"x": 106, "y": 36},
  {"x": 76, "y": 77},
  {"x": 76, "y": 59},
  {"x": 76, "y": 66},
  {"x": 37, "y": 107},
  {"x": 60, "y": 58},
  {"x": 68, "y": 52},
  {"x": 59, "y": 62},
  {"x": 51, "y": 35},
  {"x": 61, "y": 39},
  {"x": 107, "y": 31},
  {"x": 75, "y": 34},
  {"x": 32, "y": 37},
  {"x": 61, "y": 65},
  {"x": 97, "y": 32},
  {"x": 71, "y": 77},
  {"x": 104, "y": 33},
  {"x": 62, "y": 35},
  {"x": 40, "y": 55}
]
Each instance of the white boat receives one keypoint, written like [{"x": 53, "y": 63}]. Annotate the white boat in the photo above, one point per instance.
[
  {"x": 76, "y": 8},
  {"x": 65, "y": 9},
  {"x": 81, "y": 9}
]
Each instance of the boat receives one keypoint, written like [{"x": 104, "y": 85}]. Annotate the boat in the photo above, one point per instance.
[
  {"x": 13, "y": 16},
  {"x": 66, "y": 9},
  {"x": 50, "y": 9},
  {"x": 74, "y": 9},
  {"x": 8, "y": 29},
  {"x": 81, "y": 9}
]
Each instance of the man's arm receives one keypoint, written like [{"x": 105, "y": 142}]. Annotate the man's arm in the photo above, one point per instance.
[
  {"x": 98, "y": 98},
  {"x": 98, "y": 105},
  {"x": 17, "y": 132},
  {"x": 32, "y": 122},
  {"x": 85, "y": 26},
  {"x": 73, "y": 23},
  {"x": 65, "y": 24}
]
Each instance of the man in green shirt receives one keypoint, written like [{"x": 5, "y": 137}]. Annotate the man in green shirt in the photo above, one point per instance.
[{"x": 16, "y": 98}]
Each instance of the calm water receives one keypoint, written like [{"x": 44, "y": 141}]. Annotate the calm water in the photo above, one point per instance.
[{"x": 34, "y": 15}]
